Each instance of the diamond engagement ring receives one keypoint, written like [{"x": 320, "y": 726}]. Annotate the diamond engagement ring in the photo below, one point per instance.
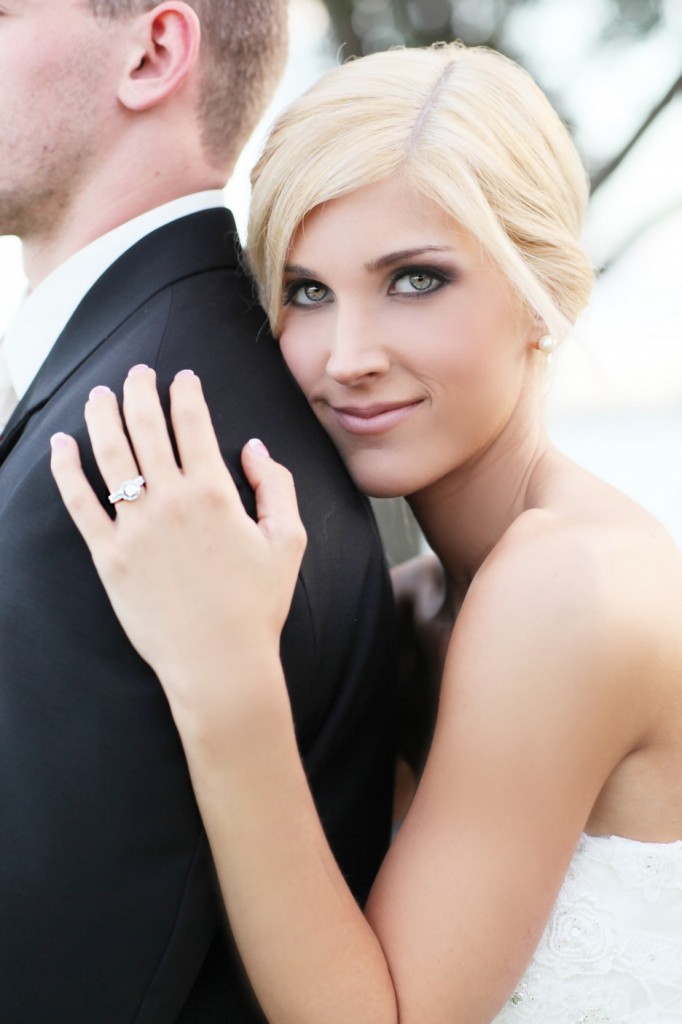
[{"x": 130, "y": 490}]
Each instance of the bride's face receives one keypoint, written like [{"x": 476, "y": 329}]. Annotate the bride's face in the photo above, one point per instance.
[{"x": 407, "y": 340}]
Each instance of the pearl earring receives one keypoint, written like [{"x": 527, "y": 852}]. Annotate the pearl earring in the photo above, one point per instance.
[{"x": 547, "y": 344}]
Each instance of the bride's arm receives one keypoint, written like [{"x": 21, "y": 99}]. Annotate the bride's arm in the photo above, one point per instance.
[
  {"x": 535, "y": 712},
  {"x": 203, "y": 592}
]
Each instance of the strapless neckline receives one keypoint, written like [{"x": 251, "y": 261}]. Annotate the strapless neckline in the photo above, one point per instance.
[
  {"x": 627, "y": 839},
  {"x": 611, "y": 952}
]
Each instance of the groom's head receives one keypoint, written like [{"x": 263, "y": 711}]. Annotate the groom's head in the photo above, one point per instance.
[
  {"x": 109, "y": 107},
  {"x": 242, "y": 52}
]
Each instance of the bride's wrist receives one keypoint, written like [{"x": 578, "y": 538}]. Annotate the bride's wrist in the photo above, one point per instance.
[
  {"x": 226, "y": 764},
  {"x": 225, "y": 702}
]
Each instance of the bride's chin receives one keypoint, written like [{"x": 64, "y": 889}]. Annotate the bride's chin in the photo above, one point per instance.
[
  {"x": 378, "y": 484},
  {"x": 383, "y": 492}
]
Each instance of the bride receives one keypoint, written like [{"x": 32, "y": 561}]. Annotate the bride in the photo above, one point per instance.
[{"x": 415, "y": 237}]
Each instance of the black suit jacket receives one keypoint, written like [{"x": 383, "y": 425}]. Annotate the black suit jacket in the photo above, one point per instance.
[{"x": 109, "y": 912}]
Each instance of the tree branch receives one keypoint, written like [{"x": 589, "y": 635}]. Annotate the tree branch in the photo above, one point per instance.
[
  {"x": 607, "y": 170},
  {"x": 639, "y": 232}
]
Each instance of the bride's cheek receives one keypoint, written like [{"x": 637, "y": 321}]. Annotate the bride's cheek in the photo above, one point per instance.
[{"x": 303, "y": 353}]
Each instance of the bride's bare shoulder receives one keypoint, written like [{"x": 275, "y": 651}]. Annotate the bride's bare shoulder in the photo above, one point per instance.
[{"x": 595, "y": 563}]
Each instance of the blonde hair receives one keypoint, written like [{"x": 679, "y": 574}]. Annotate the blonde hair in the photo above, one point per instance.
[{"x": 466, "y": 127}]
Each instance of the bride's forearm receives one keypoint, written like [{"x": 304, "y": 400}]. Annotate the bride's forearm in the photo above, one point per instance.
[
  {"x": 310, "y": 954},
  {"x": 203, "y": 591}
]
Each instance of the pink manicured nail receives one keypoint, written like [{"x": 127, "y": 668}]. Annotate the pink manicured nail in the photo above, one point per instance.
[
  {"x": 101, "y": 389},
  {"x": 257, "y": 447},
  {"x": 184, "y": 373},
  {"x": 60, "y": 441},
  {"x": 138, "y": 368}
]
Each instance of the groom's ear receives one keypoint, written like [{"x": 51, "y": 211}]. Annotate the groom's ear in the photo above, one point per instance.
[{"x": 164, "y": 49}]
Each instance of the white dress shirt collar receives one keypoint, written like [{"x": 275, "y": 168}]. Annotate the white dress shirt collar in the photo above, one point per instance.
[{"x": 44, "y": 313}]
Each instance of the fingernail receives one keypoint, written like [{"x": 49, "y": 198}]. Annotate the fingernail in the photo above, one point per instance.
[
  {"x": 101, "y": 389},
  {"x": 257, "y": 447},
  {"x": 59, "y": 441},
  {"x": 184, "y": 373},
  {"x": 138, "y": 368}
]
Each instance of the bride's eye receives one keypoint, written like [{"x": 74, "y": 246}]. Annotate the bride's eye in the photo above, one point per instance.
[
  {"x": 417, "y": 281},
  {"x": 306, "y": 293}
]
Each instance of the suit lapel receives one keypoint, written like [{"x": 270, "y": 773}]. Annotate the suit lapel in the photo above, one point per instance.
[{"x": 191, "y": 245}]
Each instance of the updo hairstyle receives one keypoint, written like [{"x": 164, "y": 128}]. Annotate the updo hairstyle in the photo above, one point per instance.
[{"x": 467, "y": 128}]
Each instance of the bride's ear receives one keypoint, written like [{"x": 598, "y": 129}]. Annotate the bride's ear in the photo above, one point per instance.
[{"x": 164, "y": 49}]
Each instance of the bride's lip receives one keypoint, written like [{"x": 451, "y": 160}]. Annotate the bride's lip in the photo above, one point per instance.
[{"x": 373, "y": 419}]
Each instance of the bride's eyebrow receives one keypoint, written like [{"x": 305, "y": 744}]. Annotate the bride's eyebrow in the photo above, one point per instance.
[
  {"x": 389, "y": 260},
  {"x": 405, "y": 255},
  {"x": 297, "y": 271}
]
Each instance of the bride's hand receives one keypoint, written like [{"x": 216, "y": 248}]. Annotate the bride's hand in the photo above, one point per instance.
[{"x": 198, "y": 586}]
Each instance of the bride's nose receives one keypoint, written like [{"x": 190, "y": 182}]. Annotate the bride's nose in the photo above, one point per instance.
[{"x": 356, "y": 351}]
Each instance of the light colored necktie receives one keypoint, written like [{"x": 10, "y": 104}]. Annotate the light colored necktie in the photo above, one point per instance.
[{"x": 8, "y": 398}]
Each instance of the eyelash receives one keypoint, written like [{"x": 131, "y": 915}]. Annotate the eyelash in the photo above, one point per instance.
[
  {"x": 296, "y": 286},
  {"x": 440, "y": 277}
]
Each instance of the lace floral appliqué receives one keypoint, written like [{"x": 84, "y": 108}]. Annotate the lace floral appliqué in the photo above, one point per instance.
[{"x": 612, "y": 950}]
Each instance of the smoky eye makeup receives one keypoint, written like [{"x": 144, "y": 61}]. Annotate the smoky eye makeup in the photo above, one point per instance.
[
  {"x": 419, "y": 280},
  {"x": 304, "y": 293}
]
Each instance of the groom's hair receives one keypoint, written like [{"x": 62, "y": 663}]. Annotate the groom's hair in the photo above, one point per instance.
[{"x": 243, "y": 50}]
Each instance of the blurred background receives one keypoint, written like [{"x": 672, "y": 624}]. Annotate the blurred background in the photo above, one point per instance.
[{"x": 613, "y": 70}]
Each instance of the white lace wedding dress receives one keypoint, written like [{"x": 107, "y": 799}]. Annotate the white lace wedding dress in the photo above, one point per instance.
[{"x": 612, "y": 950}]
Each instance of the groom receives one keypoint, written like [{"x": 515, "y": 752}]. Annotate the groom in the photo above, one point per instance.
[{"x": 120, "y": 122}]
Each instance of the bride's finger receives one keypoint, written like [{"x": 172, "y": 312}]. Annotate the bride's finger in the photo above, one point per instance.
[
  {"x": 82, "y": 504},
  {"x": 146, "y": 425},
  {"x": 194, "y": 434},
  {"x": 276, "y": 504},
  {"x": 110, "y": 445}
]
